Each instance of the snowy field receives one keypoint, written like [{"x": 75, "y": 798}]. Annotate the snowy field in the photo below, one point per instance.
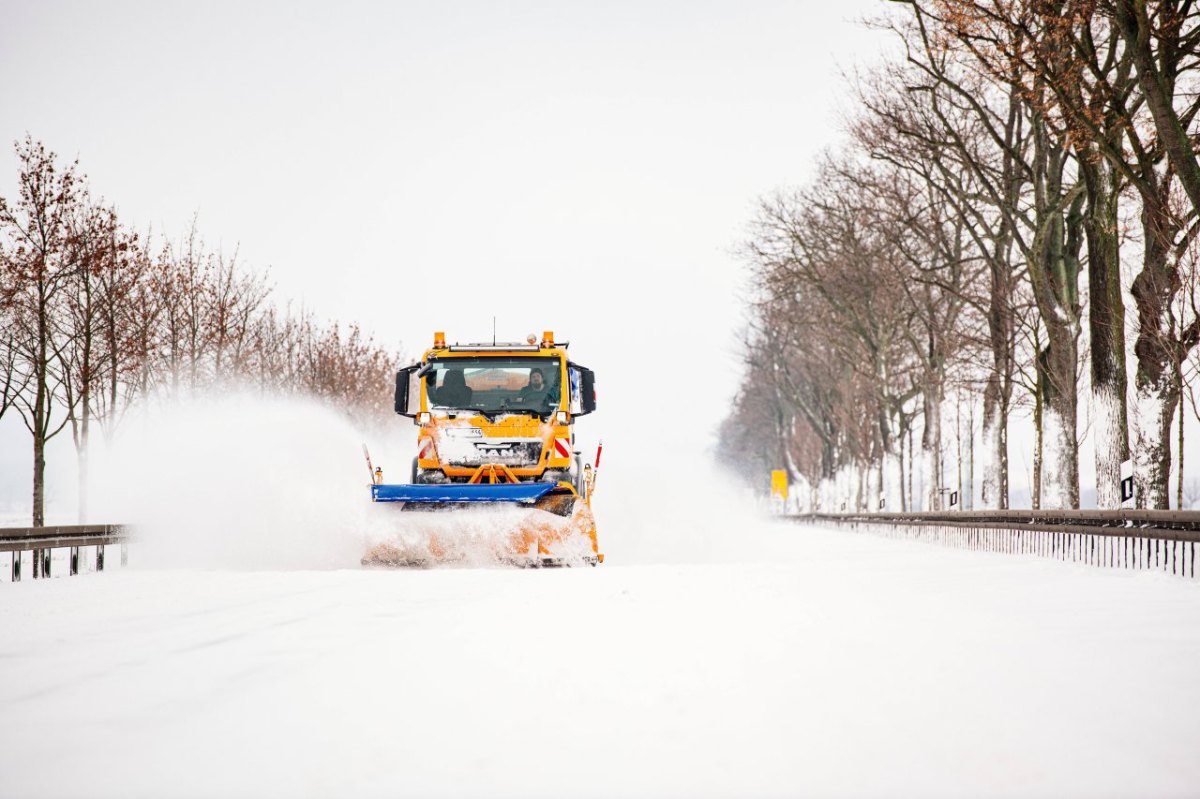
[{"x": 810, "y": 662}]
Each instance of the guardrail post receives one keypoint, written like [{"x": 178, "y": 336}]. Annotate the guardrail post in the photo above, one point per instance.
[{"x": 41, "y": 541}]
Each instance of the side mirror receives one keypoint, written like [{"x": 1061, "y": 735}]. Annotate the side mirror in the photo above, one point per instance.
[
  {"x": 588, "y": 400},
  {"x": 583, "y": 389},
  {"x": 407, "y": 394}
]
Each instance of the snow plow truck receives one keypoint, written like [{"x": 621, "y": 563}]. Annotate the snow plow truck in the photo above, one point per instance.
[{"x": 496, "y": 454}]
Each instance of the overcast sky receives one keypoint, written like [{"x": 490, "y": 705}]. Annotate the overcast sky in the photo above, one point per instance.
[{"x": 586, "y": 168}]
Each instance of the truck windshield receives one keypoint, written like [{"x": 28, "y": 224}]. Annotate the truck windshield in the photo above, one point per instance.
[{"x": 495, "y": 385}]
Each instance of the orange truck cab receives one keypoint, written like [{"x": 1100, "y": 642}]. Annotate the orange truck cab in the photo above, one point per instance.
[{"x": 488, "y": 409}]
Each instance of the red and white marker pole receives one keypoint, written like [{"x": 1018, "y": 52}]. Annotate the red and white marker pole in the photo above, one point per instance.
[
  {"x": 370, "y": 468},
  {"x": 595, "y": 470}
]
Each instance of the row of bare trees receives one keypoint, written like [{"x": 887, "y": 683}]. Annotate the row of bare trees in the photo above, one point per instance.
[
  {"x": 95, "y": 318},
  {"x": 1019, "y": 177}
]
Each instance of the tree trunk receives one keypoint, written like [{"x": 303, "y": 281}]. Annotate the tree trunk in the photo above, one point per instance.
[
  {"x": 1060, "y": 450},
  {"x": 998, "y": 389},
  {"x": 853, "y": 487},
  {"x": 958, "y": 448},
  {"x": 85, "y": 425},
  {"x": 995, "y": 448},
  {"x": 1054, "y": 274},
  {"x": 828, "y": 494},
  {"x": 1153, "y": 291},
  {"x": 83, "y": 454},
  {"x": 874, "y": 490},
  {"x": 40, "y": 412},
  {"x": 931, "y": 445},
  {"x": 892, "y": 464},
  {"x": 39, "y": 479},
  {"x": 1156, "y": 400},
  {"x": 1179, "y": 447},
  {"x": 1002, "y": 445},
  {"x": 1035, "y": 489},
  {"x": 1106, "y": 326},
  {"x": 969, "y": 494},
  {"x": 910, "y": 496},
  {"x": 1108, "y": 401},
  {"x": 825, "y": 488},
  {"x": 893, "y": 481}
]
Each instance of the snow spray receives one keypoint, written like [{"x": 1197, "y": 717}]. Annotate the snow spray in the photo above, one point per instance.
[{"x": 237, "y": 480}]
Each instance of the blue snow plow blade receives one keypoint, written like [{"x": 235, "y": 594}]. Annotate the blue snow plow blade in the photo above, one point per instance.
[{"x": 462, "y": 492}]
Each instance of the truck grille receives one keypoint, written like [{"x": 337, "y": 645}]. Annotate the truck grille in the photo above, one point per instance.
[{"x": 508, "y": 453}]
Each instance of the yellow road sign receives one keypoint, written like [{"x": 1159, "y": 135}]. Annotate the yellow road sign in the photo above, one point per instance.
[{"x": 779, "y": 484}]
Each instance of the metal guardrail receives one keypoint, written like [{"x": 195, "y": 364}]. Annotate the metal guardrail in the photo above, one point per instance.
[
  {"x": 1131, "y": 539},
  {"x": 41, "y": 540}
]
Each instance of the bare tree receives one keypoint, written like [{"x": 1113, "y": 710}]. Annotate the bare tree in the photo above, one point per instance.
[
  {"x": 1098, "y": 95},
  {"x": 1044, "y": 215},
  {"x": 36, "y": 272},
  {"x": 91, "y": 322},
  {"x": 938, "y": 147},
  {"x": 94, "y": 235},
  {"x": 817, "y": 255}
]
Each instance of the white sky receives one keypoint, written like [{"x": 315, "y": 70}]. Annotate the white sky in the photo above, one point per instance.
[{"x": 426, "y": 166}]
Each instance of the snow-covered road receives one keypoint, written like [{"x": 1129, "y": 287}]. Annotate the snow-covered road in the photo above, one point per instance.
[{"x": 813, "y": 663}]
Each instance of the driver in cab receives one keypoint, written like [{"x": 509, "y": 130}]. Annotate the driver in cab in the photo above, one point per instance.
[{"x": 536, "y": 393}]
